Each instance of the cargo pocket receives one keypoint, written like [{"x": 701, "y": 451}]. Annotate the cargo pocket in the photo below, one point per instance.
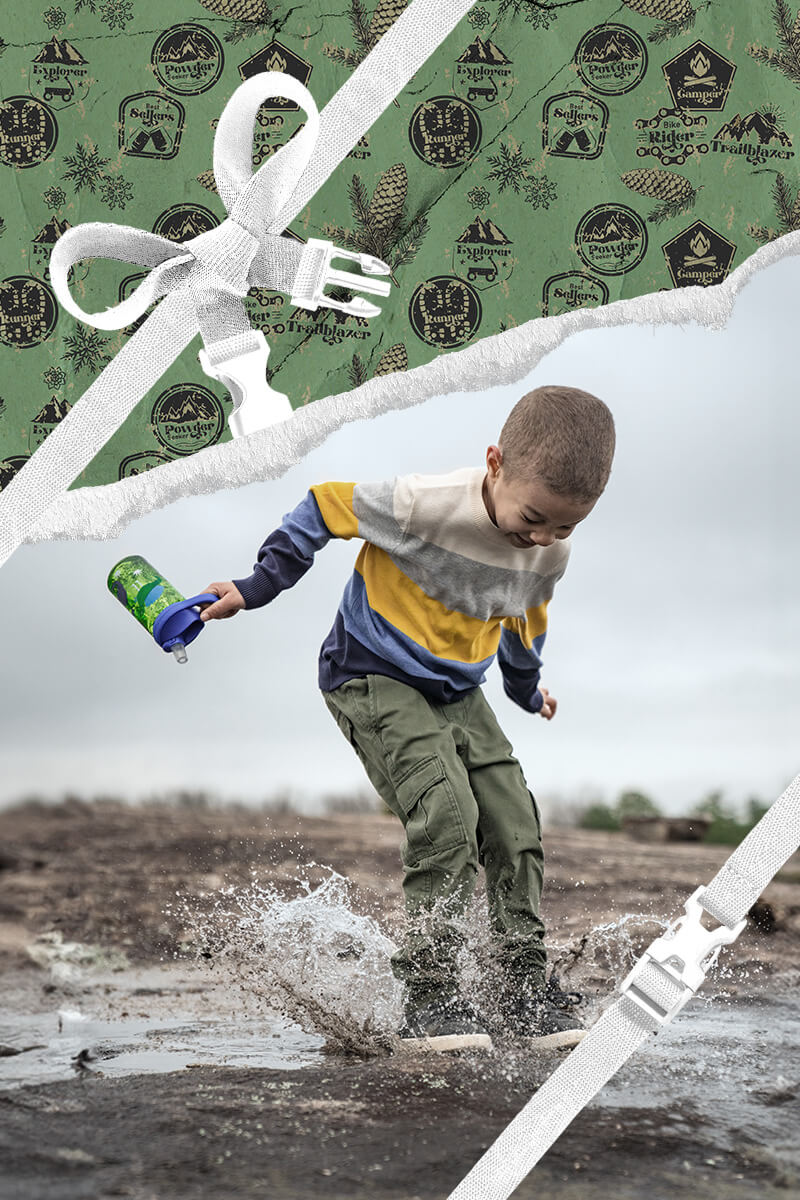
[{"x": 433, "y": 821}]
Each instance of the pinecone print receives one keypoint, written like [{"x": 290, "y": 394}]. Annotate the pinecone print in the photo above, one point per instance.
[
  {"x": 384, "y": 17},
  {"x": 388, "y": 198},
  {"x": 675, "y": 192},
  {"x": 206, "y": 180},
  {"x": 239, "y": 10},
  {"x": 395, "y": 359},
  {"x": 675, "y": 16}
]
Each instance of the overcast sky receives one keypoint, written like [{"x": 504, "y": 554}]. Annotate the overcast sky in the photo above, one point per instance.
[{"x": 674, "y": 643}]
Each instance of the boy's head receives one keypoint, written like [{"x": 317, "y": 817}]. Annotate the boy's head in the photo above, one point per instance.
[{"x": 551, "y": 465}]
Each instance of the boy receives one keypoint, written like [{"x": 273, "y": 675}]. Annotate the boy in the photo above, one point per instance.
[{"x": 454, "y": 570}]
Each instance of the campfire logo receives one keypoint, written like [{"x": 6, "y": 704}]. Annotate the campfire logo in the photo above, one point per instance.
[
  {"x": 184, "y": 221},
  {"x": 483, "y": 253},
  {"x": 671, "y": 136},
  {"x": 611, "y": 239},
  {"x": 483, "y": 74},
  {"x": 277, "y": 57},
  {"x": 574, "y": 125},
  {"x": 187, "y": 417},
  {"x": 570, "y": 290},
  {"x": 699, "y": 78},
  {"x": 60, "y": 73},
  {"x": 187, "y": 59},
  {"x": 445, "y": 311},
  {"x": 445, "y": 132},
  {"x": 9, "y": 468},
  {"x": 28, "y": 311},
  {"x": 699, "y": 256},
  {"x": 43, "y": 243},
  {"x": 46, "y": 420},
  {"x": 757, "y": 136},
  {"x": 28, "y": 132},
  {"x": 137, "y": 464},
  {"x": 150, "y": 125},
  {"x": 611, "y": 59}
]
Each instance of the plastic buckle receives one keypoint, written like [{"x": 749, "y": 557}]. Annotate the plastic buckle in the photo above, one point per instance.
[
  {"x": 315, "y": 271},
  {"x": 255, "y": 404},
  {"x": 685, "y": 953}
]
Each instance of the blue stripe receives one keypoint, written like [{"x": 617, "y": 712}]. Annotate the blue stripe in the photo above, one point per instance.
[
  {"x": 521, "y": 669},
  {"x": 305, "y": 526}
]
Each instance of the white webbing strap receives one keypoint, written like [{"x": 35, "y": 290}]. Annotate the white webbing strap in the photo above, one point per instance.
[
  {"x": 665, "y": 977},
  {"x": 205, "y": 280}
]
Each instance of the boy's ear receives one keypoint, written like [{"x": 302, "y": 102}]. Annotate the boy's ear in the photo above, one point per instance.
[{"x": 494, "y": 458}]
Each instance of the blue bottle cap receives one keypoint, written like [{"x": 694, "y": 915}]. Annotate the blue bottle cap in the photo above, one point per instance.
[{"x": 180, "y": 622}]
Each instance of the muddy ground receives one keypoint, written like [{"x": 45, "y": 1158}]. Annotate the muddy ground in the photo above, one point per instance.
[{"x": 709, "y": 1108}]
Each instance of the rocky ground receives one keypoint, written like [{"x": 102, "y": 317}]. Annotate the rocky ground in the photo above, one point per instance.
[{"x": 711, "y": 1107}]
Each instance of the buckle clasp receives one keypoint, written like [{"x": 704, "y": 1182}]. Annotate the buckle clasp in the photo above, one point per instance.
[{"x": 315, "y": 271}]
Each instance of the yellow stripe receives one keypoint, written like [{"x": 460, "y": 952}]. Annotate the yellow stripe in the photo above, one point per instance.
[
  {"x": 399, "y": 600},
  {"x": 335, "y": 502},
  {"x": 530, "y": 626}
]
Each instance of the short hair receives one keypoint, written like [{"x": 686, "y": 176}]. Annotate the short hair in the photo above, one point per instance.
[{"x": 562, "y": 436}]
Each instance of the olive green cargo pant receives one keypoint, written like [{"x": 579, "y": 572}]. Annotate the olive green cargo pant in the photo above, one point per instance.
[{"x": 448, "y": 772}]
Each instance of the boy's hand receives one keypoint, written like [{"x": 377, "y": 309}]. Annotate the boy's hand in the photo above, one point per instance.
[
  {"x": 548, "y": 709},
  {"x": 230, "y": 601}
]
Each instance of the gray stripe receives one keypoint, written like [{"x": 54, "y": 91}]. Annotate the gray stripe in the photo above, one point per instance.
[{"x": 373, "y": 504}]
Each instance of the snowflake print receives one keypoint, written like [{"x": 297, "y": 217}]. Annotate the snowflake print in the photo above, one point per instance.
[
  {"x": 509, "y": 168},
  {"x": 86, "y": 350},
  {"x": 478, "y": 197},
  {"x": 90, "y": 4},
  {"x": 54, "y": 18},
  {"x": 54, "y": 377},
  {"x": 116, "y": 191},
  {"x": 540, "y": 191},
  {"x": 116, "y": 13},
  {"x": 85, "y": 167},
  {"x": 54, "y": 197},
  {"x": 479, "y": 18}
]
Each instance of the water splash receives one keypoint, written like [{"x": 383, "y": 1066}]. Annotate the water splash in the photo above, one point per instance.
[{"x": 312, "y": 958}]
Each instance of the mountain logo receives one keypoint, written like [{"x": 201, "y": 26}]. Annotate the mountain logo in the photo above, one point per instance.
[
  {"x": 187, "y": 59},
  {"x": 277, "y": 57},
  {"x": 611, "y": 239},
  {"x": 46, "y": 420},
  {"x": 569, "y": 290},
  {"x": 28, "y": 132},
  {"x": 611, "y": 59},
  {"x": 483, "y": 73},
  {"x": 484, "y": 230},
  {"x": 9, "y": 468},
  {"x": 445, "y": 311},
  {"x": 187, "y": 417},
  {"x": 184, "y": 221},
  {"x": 757, "y": 136},
  {"x": 698, "y": 256},
  {"x": 699, "y": 78},
  {"x": 574, "y": 125},
  {"x": 445, "y": 132},
  {"x": 44, "y": 241},
  {"x": 151, "y": 125},
  {"x": 483, "y": 254},
  {"x": 60, "y": 73},
  {"x": 28, "y": 311}
]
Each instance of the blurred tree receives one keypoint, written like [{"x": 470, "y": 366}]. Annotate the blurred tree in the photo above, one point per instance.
[
  {"x": 635, "y": 804},
  {"x": 598, "y": 816}
]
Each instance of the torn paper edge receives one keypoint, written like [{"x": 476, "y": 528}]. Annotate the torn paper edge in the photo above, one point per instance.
[{"x": 498, "y": 359}]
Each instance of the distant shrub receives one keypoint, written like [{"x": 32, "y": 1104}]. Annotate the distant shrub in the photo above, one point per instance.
[{"x": 598, "y": 816}]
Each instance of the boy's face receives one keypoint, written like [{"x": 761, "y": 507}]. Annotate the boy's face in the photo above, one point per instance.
[{"x": 526, "y": 510}]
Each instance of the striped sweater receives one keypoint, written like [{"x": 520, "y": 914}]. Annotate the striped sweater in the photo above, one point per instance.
[{"x": 437, "y": 591}]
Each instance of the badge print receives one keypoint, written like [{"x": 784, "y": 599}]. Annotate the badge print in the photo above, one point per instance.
[
  {"x": 187, "y": 417},
  {"x": 28, "y": 132},
  {"x": 43, "y": 244},
  {"x": 9, "y": 468},
  {"x": 699, "y": 78},
  {"x": 574, "y": 125},
  {"x": 570, "y": 290},
  {"x": 28, "y": 311},
  {"x": 137, "y": 464},
  {"x": 757, "y": 136},
  {"x": 277, "y": 57},
  {"x": 611, "y": 239},
  {"x": 46, "y": 420},
  {"x": 151, "y": 125},
  {"x": 445, "y": 132},
  {"x": 483, "y": 73},
  {"x": 60, "y": 73},
  {"x": 699, "y": 256},
  {"x": 483, "y": 253},
  {"x": 184, "y": 221},
  {"x": 611, "y": 59},
  {"x": 671, "y": 136},
  {"x": 445, "y": 311},
  {"x": 188, "y": 59}
]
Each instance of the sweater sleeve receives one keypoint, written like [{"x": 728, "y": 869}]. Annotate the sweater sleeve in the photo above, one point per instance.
[
  {"x": 289, "y": 550},
  {"x": 519, "y": 656}
]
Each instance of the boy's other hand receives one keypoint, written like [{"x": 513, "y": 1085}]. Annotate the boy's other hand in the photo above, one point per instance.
[
  {"x": 549, "y": 706},
  {"x": 230, "y": 601}
]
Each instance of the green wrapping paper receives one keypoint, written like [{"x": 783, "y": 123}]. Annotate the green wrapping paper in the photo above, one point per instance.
[{"x": 547, "y": 157}]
